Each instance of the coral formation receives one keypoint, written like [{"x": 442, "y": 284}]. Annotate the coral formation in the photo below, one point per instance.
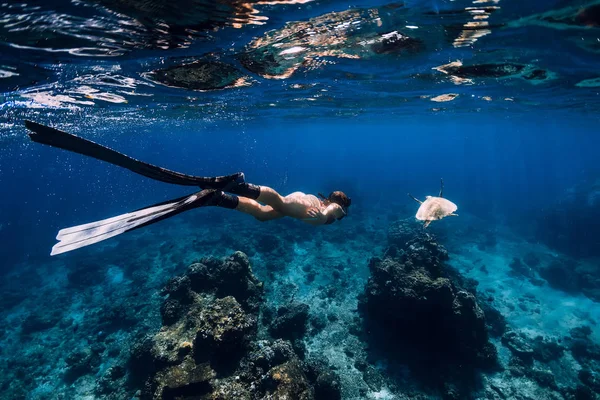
[
  {"x": 137, "y": 324},
  {"x": 208, "y": 345},
  {"x": 415, "y": 311}
]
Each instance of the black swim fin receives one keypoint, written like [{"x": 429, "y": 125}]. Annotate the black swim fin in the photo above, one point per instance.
[
  {"x": 63, "y": 140},
  {"x": 94, "y": 232}
]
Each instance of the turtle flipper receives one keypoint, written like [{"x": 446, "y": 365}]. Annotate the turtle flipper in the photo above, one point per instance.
[
  {"x": 414, "y": 198},
  {"x": 441, "y": 188}
]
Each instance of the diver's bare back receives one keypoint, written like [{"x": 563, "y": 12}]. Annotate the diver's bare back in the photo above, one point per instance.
[{"x": 299, "y": 205}]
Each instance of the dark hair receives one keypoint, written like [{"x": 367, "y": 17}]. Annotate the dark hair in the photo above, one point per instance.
[{"x": 339, "y": 198}]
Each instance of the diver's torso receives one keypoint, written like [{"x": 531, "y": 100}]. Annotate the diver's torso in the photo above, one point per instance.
[{"x": 302, "y": 202}]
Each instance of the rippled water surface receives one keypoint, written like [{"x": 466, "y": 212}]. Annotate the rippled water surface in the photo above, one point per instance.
[{"x": 232, "y": 59}]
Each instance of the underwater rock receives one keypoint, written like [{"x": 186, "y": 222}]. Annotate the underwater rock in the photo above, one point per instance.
[
  {"x": 115, "y": 316},
  {"x": 210, "y": 329},
  {"x": 82, "y": 275},
  {"x": 231, "y": 276},
  {"x": 327, "y": 382},
  {"x": 560, "y": 274},
  {"x": 518, "y": 268},
  {"x": 39, "y": 321},
  {"x": 545, "y": 350},
  {"x": 544, "y": 378},
  {"x": 224, "y": 329},
  {"x": 587, "y": 353},
  {"x": 531, "y": 260},
  {"x": 290, "y": 321},
  {"x": 417, "y": 312},
  {"x": 518, "y": 346},
  {"x": 582, "y": 347},
  {"x": 402, "y": 231},
  {"x": 264, "y": 355},
  {"x": 79, "y": 363},
  {"x": 287, "y": 381},
  {"x": 186, "y": 380},
  {"x": 180, "y": 295},
  {"x": 208, "y": 348},
  {"x": 110, "y": 381},
  {"x": 573, "y": 277},
  {"x": 200, "y": 75},
  {"x": 590, "y": 379}
]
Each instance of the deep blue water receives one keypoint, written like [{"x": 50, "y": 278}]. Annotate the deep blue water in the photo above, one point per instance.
[
  {"x": 497, "y": 169},
  {"x": 309, "y": 96}
]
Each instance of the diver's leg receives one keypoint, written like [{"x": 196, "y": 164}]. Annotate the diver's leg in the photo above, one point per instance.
[
  {"x": 271, "y": 198},
  {"x": 257, "y": 210},
  {"x": 262, "y": 194},
  {"x": 63, "y": 140}
]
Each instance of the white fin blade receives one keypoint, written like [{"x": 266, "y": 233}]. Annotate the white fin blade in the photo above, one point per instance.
[
  {"x": 79, "y": 228},
  {"x": 94, "y": 232}
]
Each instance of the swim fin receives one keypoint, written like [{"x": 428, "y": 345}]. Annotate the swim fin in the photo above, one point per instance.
[
  {"x": 63, "y": 140},
  {"x": 94, "y": 232}
]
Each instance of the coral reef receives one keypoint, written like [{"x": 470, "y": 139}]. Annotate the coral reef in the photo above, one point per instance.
[
  {"x": 184, "y": 315},
  {"x": 416, "y": 312},
  {"x": 208, "y": 345}
]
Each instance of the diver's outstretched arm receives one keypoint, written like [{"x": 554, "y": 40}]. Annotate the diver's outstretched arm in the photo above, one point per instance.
[
  {"x": 63, "y": 140},
  {"x": 94, "y": 232}
]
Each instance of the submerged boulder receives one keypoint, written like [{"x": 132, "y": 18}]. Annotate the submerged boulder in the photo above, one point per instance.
[
  {"x": 418, "y": 313},
  {"x": 290, "y": 321},
  {"x": 208, "y": 349},
  {"x": 519, "y": 346},
  {"x": 231, "y": 276},
  {"x": 400, "y": 232}
]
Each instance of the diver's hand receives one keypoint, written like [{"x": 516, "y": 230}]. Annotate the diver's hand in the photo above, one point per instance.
[{"x": 313, "y": 213}]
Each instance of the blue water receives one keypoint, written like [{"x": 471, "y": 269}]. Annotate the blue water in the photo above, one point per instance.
[{"x": 518, "y": 152}]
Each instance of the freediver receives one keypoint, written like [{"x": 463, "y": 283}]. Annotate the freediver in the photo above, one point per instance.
[{"x": 231, "y": 191}]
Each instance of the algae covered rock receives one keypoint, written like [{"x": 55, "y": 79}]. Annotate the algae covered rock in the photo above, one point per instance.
[
  {"x": 519, "y": 346},
  {"x": 79, "y": 363},
  {"x": 417, "y": 312},
  {"x": 224, "y": 329},
  {"x": 231, "y": 276},
  {"x": 183, "y": 380},
  {"x": 402, "y": 231},
  {"x": 290, "y": 321},
  {"x": 208, "y": 348},
  {"x": 287, "y": 381}
]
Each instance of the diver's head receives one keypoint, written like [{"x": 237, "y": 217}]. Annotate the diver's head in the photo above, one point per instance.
[{"x": 341, "y": 199}]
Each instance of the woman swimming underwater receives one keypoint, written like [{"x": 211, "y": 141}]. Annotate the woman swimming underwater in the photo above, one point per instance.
[{"x": 230, "y": 191}]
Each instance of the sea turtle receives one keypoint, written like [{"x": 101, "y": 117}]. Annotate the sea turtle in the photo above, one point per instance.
[{"x": 435, "y": 208}]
